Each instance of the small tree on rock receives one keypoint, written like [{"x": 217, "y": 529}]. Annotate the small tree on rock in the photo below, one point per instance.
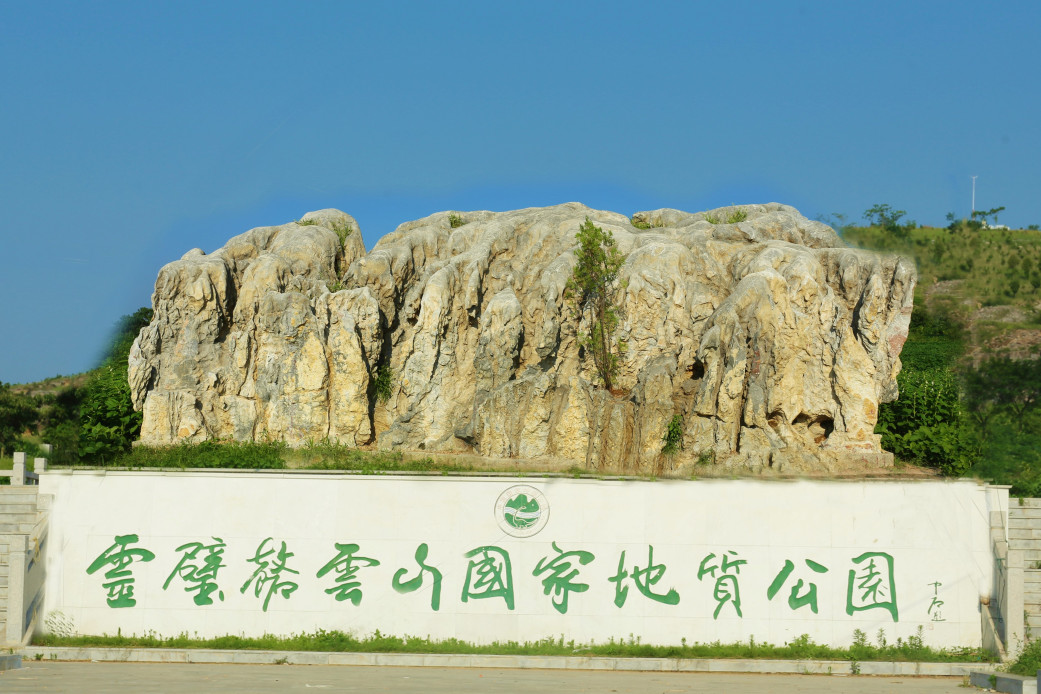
[{"x": 590, "y": 288}]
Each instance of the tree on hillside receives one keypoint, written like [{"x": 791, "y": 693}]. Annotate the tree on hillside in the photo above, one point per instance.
[
  {"x": 591, "y": 287},
  {"x": 883, "y": 216},
  {"x": 17, "y": 412},
  {"x": 985, "y": 215}
]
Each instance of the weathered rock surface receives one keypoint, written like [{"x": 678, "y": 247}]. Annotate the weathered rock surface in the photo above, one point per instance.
[{"x": 774, "y": 340}]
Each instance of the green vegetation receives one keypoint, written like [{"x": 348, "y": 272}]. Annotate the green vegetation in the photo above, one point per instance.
[
  {"x": 108, "y": 422},
  {"x": 343, "y": 229},
  {"x": 736, "y": 216},
  {"x": 706, "y": 457},
  {"x": 383, "y": 384},
  {"x": 327, "y": 455},
  {"x": 887, "y": 219},
  {"x": 638, "y": 224},
  {"x": 733, "y": 217},
  {"x": 928, "y": 424},
  {"x": 207, "y": 454},
  {"x": 87, "y": 418},
  {"x": 673, "y": 439},
  {"x": 965, "y": 406},
  {"x": 591, "y": 289},
  {"x": 801, "y": 648},
  {"x": 277, "y": 455},
  {"x": 978, "y": 268},
  {"x": 1029, "y": 661},
  {"x": 17, "y": 412},
  {"x": 455, "y": 220}
]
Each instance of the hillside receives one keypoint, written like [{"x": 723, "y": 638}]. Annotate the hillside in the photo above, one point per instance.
[
  {"x": 970, "y": 388},
  {"x": 986, "y": 280}
]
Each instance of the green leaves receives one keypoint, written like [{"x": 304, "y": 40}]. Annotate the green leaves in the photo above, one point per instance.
[
  {"x": 928, "y": 424},
  {"x": 673, "y": 438},
  {"x": 107, "y": 415},
  {"x": 591, "y": 288},
  {"x": 383, "y": 384},
  {"x": 108, "y": 422}
]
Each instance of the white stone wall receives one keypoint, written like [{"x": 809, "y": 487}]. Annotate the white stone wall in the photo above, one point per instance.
[{"x": 936, "y": 534}]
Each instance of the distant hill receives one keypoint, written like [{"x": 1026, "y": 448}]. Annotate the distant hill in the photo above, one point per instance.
[
  {"x": 988, "y": 281},
  {"x": 970, "y": 389}
]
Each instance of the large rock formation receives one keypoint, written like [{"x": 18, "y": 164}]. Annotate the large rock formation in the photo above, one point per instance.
[{"x": 774, "y": 340}]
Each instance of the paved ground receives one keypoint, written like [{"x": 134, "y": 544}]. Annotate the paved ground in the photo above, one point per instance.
[{"x": 144, "y": 678}]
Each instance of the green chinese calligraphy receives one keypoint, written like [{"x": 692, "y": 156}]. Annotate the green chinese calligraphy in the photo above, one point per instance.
[
  {"x": 726, "y": 589},
  {"x": 644, "y": 579},
  {"x": 120, "y": 584},
  {"x": 414, "y": 584},
  {"x": 871, "y": 585},
  {"x": 346, "y": 565},
  {"x": 269, "y": 572},
  {"x": 795, "y": 598},
  {"x": 934, "y": 607},
  {"x": 561, "y": 570},
  {"x": 200, "y": 572},
  {"x": 489, "y": 576}
]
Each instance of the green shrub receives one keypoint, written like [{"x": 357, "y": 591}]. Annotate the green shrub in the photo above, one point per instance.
[
  {"x": 927, "y": 424},
  {"x": 736, "y": 216},
  {"x": 455, "y": 220},
  {"x": 245, "y": 455},
  {"x": 383, "y": 384},
  {"x": 673, "y": 438},
  {"x": 638, "y": 224},
  {"x": 1029, "y": 660},
  {"x": 343, "y": 229}
]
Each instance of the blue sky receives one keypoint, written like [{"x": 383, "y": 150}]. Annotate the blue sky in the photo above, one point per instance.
[{"x": 135, "y": 131}]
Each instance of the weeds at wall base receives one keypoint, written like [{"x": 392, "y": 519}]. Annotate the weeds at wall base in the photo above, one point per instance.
[{"x": 801, "y": 648}]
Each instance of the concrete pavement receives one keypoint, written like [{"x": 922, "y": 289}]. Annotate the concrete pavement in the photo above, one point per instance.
[{"x": 45, "y": 677}]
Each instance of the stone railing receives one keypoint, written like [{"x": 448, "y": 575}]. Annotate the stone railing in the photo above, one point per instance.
[
  {"x": 19, "y": 475},
  {"x": 24, "y": 582},
  {"x": 23, "y": 536},
  {"x": 1004, "y": 628}
]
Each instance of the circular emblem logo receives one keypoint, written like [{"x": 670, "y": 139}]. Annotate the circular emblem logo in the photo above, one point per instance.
[{"x": 522, "y": 511}]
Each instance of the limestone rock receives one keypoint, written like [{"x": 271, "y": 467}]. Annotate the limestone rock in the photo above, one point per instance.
[{"x": 771, "y": 338}]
